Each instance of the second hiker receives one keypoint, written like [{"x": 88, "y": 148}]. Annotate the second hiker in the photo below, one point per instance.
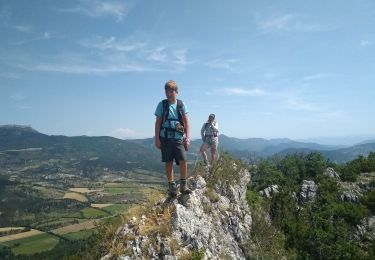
[{"x": 209, "y": 134}]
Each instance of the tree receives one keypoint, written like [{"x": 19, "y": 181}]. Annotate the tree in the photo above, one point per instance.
[{"x": 315, "y": 164}]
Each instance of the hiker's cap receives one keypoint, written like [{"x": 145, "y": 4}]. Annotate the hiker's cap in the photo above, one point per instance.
[{"x": 171, "y": 85}]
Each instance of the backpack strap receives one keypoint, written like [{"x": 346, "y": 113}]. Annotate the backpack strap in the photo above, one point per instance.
[
  {"x": 180, "y": 111},
  {"x": 165, "y": 116},
  {"x": 165, "y": 111},
  {"x": 205, "y": 129}
]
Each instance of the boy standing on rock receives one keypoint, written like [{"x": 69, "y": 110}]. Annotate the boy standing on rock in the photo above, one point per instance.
[{"x": 172, "y": 123}]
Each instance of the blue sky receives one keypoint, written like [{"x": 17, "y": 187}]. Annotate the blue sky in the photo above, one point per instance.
[{"x": 296, "y": 69}]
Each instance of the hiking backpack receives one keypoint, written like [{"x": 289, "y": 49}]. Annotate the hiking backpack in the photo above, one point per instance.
[{"x": 166, "y": 114}]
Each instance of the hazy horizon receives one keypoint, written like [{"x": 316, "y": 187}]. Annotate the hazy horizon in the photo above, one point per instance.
[{"x": 325, "y": 140}]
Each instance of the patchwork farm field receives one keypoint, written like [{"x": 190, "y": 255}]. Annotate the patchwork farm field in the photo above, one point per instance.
[
  {"x": 83, "y": 190},
  {"x": 33, "y": 244},
  {"x": 86, "y": 225},
  {"x": 75, "y": 196},
  {"x": 21, "y": 235},
  {"x": 83, "y": 234},
  {"x": 56, "y": 213}
]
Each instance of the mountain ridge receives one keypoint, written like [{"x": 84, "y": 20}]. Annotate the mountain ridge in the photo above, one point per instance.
[{"x": 13, "y": 137}]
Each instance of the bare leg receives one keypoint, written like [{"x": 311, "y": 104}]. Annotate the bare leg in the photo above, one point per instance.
[
  {"x": 213, "y": 154},
  {"x": 184, "y": 189},
  {"x": 169, "y": 170},
  {"x": 183, "y": 169},
  {"x": 203, "y": 151}
]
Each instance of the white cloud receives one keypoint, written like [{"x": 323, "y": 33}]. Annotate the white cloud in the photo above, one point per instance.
[
  {"x": 112, "y": 43},
  {"x": 180, "y": 57},
  {"x": 125, "y": 133},
  {"x": 98, "y": 9},
  {"x": 282, "y": 100},
  {"x": 222, "y": 64},
  {"x": 294, "y": 101},
  {"x": 110, "y": 55},
  {"x": 244, "y": 92},
  {"x": 24, "y": 28},
  {"x": 318, "y": 76},
  {"x": 167, "y": 55},
  {"x": 95, "y": 69},
  {"x": 159, "y": 54},
  {"x": 278, "y": 22},
  {"x": 290, "y": 22},
  {"x": 101, "y": 63},
  {"x": 255, "y": 92}
]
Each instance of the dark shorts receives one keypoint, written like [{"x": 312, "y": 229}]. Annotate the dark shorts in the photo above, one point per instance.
[{"x": 172, "y": 149}]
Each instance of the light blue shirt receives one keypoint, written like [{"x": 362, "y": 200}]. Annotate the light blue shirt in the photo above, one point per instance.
[{"x": 173, "y": 114}]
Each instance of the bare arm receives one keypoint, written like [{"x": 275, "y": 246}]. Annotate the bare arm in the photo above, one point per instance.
[
  {"x": 202, "y": 131},
  {"x": 157, "y": 132},
  {"x": 187, "y": 126},
  {"x": 215, "y": 126}
]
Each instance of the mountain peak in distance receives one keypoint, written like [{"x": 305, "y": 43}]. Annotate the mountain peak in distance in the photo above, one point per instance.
[{"x": 23, "y": 128}]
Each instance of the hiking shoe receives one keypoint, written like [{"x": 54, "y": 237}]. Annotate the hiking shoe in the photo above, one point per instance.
[
  {"x": 172, "y": 189},
  {"x": 184, "y": 189}
]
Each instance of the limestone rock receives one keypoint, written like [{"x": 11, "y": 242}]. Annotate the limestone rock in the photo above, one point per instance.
[
  {"x": 366, "y": 230},
  {"x": 269, "y": 191},
  {"x": 219, "y": 228},
  {"x": 308, "y": 191},
  {"x": 330, "y": 172}
]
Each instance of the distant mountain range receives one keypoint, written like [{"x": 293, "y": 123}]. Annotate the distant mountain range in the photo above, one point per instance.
[
  {"x": 338, "y": 156},
  {"x": 141, "y": 153},
  {"x": 105, "y": 151},
  {"x": 347, "y": 141},
  {"x": 253, "y": 148}
]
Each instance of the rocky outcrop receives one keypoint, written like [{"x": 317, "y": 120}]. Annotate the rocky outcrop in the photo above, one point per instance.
[
  {"x": 269, "y": 191},
  {"x": 350, "y": 192},
  {"x": 215, "y": 221},
  {"x": 350, "y": 197},
  {"x": 353, "y": 191},
  {"x": 366, "y": 229},
  {"x": 330, "y": 172},
  {"x": 308, "y": 191}
]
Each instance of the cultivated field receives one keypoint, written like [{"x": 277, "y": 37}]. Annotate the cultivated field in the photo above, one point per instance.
[
  {"x": 33, "y": 244},
  {"x": 10, "y": 228},
  {"x": 100, "y": 205},
  {"x": 37, "y": 203},
  {"x": 84, "y": 190},
  {"x": 83, "y": 234},
  {"x": 30, "y": 233},
  {"x": 93, "y": 213},
  {"x": 75, "y": 228},
  {"x": 75, "y": 196}
]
